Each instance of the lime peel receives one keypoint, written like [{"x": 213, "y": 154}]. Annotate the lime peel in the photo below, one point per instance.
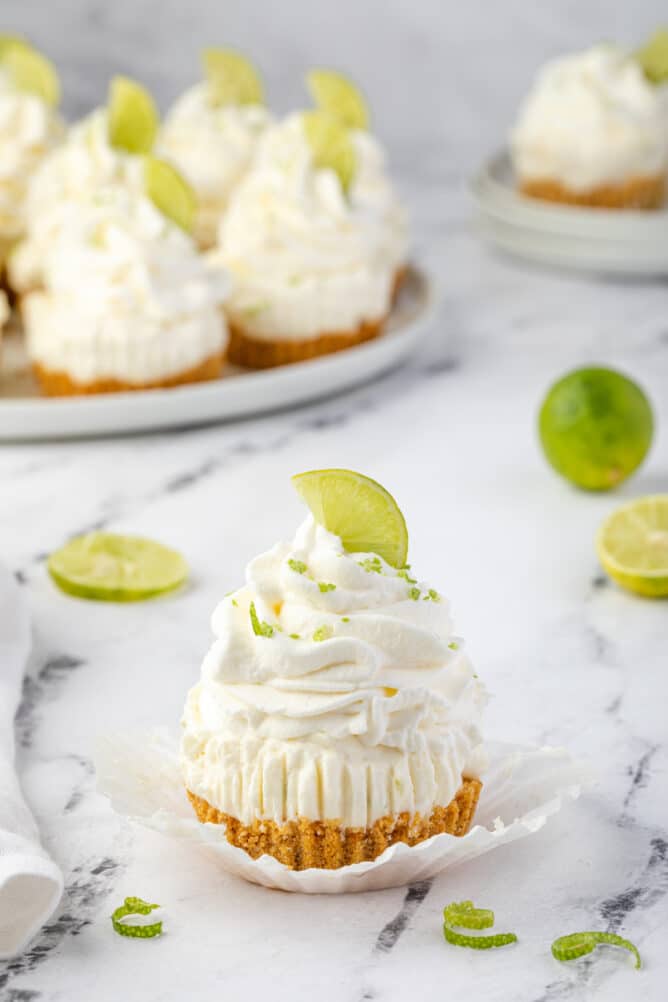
[
  {"x": 135, "y": 906},
  {"x": 578, "y": 944},
  {"x": 260, "y": 628},
  {"x": 465, "y": 915}
]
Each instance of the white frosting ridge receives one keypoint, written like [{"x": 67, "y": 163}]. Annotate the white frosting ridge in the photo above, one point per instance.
[
  {"x": 592, "y": 119},
  {"x": 305, "y": 258},
  {"x": 213, "y": 147},
  {"x": 29, "y": 129},
  {"x": 126, "y": 295},
  {"x": 380, "y": 716}
]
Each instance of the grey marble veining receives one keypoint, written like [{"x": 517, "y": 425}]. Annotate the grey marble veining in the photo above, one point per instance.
[{"x": 568, "y": 658}]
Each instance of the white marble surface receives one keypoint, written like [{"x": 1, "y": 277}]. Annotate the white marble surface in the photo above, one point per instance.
[{"x": 569, "y": 659}]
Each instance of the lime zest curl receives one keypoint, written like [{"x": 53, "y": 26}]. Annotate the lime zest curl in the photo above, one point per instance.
[
  {"x": 578, "y": 944},
  {"x": 260, "y": 628},
  {"x": 465, "y": 915},
  {"x": 135, "y": 906}
]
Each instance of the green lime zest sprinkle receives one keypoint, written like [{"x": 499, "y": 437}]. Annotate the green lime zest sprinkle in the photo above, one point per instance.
[
  {"x": 294, "y": 636},
  {"x": 323, "y": 633},
  {"x": 135, "y": 906},
  {"x": 453, "y": 645},
  {"x": 345, "y": 619},
  {"x": 432, "y": 596},
  {"x": 414, "y": 593},
  {"x": 298, "y": 566},
  {"x": 235, "y": 603},
  {"x": 371, "y": 565},
  {"x": 260, "y": 629},
  {"x": 577, "y": 944},
  {"x": 403, "y": 573},
  {"x": 465, "y": 915},
  {"x": 323, "y": 586}
]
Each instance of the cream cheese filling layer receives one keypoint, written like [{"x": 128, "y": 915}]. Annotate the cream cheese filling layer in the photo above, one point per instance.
[
  {"x": 355, "y": 701},
  {"x": 126, "y": 296},
  {"x": 592, "y": 119}
]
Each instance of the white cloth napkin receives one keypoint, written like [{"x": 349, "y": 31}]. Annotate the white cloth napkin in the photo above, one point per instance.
[{"x": 30, "y": 882}]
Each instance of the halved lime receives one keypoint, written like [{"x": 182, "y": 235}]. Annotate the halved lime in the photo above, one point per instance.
[
  {"x": 170, "y": 192},
  {"x": 335, "y": 93},
  {"x": 30, "y": 71},
  {"x": 653, "y": 56},
  {"x": 133, "y": 116},
  {"x": 330, "y": 144},
  {"x": 632, "y": 545},
  {"x": 113, "y": 568},
  {"x": 358, "y": 510},
  {"x": 231, "y": 77},
  {"x": 596, "y": 427}
]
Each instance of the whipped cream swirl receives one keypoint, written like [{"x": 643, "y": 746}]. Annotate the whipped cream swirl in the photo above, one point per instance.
[
  {"x": 335, "y": 689},
  {"x": 29, "y": 129},
  {"x": 592, "y": 119},
  {"x": 126, "y": 295},
  {"x": 213, "y": 146},
  {"x": 305, "y": 257}
]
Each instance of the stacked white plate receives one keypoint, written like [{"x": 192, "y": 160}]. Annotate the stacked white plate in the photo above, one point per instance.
[{"x": 614, "y": 241}]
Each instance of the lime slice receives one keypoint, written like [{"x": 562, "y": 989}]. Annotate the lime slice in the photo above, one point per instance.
[
  {"x": 596, "y": 427},
  {"x": 8, "y": 41},
  {"x": 170, "y": 192},
  {"x": 336, "y": 94},
  {"x": 231, "y": 77},
  {"x": 133, "y": 116},
  {"x": 330, "y": 144},
  {"x": 653, "y": 57},
  {"x": 29, "y": 70},
  {"x": 632, "y": 545},
  {"x": 112, "y": 568},
  {"x": 358, "y": 510}
]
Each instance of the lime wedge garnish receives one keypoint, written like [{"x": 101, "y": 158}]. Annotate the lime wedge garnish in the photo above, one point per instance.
[
  {"x": 231, "y": 77},
  {"x": 112, "y": 568},
  {"x": 578, "y": 944},
  {"x": 29, "y": 70},
  {"x": 632, "y": 546},
  {"x": 170, "y": 192},
  {"x": 357, "y": 509},
  {"x": 653, "y": 56},
  {"x": 338, "y": 95},
  {"x": 133, "y": 116},
  {"x": 464, "y": 914},
  {"x": 331, "y": 146},
  {"x": 7, "y": 41},
  {"x": 135, "y": 906}
]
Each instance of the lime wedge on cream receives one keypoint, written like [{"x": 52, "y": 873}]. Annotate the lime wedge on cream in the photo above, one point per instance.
[
  {"x": 330, "y": 144},
  {"x": 170, "y": 192},
  {"x": 133, "y": 116},
  {"x": 358, "y": 510},
  {"x": 29, "y": 70},
  {"x": 336, "y": 94},
  {"x": 113, "y": 568},
  {"x": 231, "y": 77},
  {"x": 653, "y": 57}
]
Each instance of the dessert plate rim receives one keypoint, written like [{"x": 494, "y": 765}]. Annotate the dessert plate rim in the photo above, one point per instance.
[
  {"x": 240, "y": 394},
  {"x": 616, "y": 241}
]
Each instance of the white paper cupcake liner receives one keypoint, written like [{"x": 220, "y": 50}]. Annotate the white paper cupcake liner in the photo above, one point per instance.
[{"x": 522, "y": 788}]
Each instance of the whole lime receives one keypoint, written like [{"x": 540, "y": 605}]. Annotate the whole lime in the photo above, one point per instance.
[{"x": 595, "y": 427}]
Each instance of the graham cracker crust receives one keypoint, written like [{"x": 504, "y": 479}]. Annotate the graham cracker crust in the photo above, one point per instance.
[
  {"x": 303, "y": 844},
  {"x": 254, "y": 353},
  {"x": 636, "y": 193},
  {"x": 61, "y": 384}
]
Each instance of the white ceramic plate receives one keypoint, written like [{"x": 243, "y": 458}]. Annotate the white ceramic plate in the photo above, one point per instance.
[
  {"x": 622, "y": 242},
  {"x": 25, "y": 415}
]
